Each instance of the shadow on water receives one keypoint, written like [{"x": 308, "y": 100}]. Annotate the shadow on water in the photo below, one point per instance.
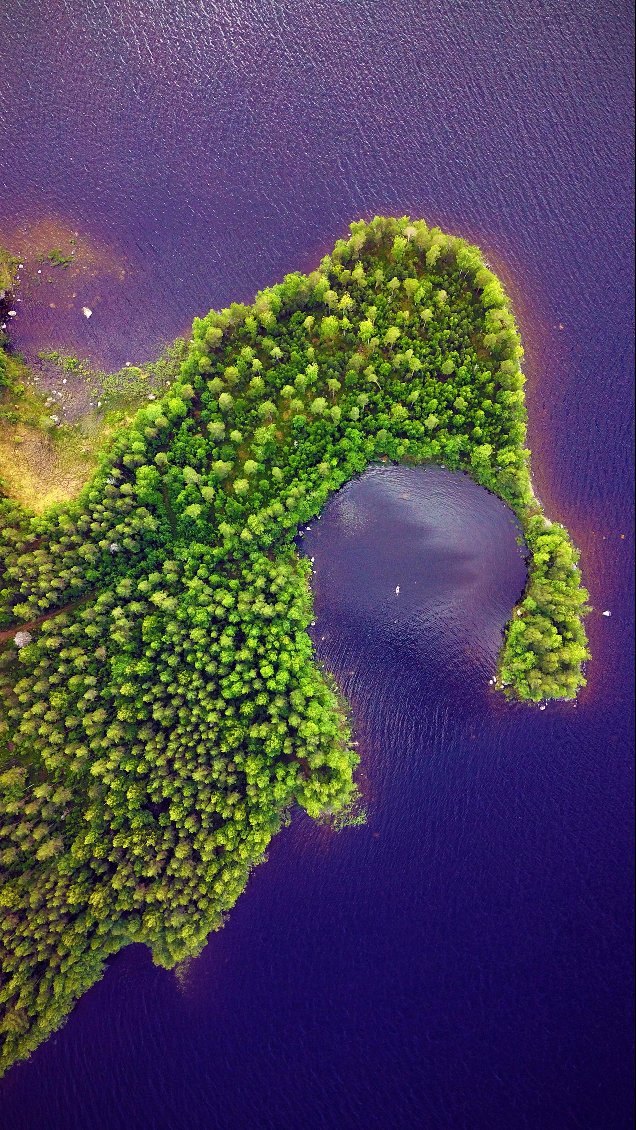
[{"x": 416, "y": 571}]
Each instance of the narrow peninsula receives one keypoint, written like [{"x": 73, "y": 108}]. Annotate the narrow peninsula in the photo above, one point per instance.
[{"x": 162, "y": 707}]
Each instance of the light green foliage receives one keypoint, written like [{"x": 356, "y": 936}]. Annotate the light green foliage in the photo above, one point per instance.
[
  {"x": 329, "y": 327},
  {"x": 8, "y": 270},
  {"x": 168, "y": 711}
]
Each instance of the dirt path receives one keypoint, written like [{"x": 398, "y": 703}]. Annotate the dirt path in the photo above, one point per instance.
[{"x": 9, "y": 633}]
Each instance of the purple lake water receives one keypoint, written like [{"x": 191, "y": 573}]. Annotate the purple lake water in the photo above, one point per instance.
[{"x": 463, "y": 961}]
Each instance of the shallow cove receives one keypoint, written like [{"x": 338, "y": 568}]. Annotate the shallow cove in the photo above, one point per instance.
[{"x": 450, "y": 547}]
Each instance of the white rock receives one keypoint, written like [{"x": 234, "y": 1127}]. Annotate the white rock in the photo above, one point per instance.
[
  {"x": 607, "y": 612},
  {"x": 12, "y": 313},
  {"x": 86, "y": 311},
  {"x": 397, "y": 590}
]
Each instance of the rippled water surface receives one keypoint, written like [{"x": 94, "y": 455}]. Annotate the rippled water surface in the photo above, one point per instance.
[{"x": 464, "y": 959}]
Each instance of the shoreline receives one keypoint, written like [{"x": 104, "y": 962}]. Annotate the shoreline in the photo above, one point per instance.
[{"x": 185, "y": 533}]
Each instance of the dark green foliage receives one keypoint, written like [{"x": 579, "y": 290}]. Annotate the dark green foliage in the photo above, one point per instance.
[
  {"x": 167, "y": 711},
  {"x": 57, "y": 258}
]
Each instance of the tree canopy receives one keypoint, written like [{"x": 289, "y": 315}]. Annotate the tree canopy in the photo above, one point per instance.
[{"x": 163, "y": 710}]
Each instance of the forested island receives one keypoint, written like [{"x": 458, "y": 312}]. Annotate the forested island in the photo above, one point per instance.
[{"x": 162, "y": 708}]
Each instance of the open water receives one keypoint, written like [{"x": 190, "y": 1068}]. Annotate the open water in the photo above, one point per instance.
[{"x": 463, "y": 961}]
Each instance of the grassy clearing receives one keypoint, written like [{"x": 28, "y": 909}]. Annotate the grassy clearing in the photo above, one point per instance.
[
  {"x": 44, "y": 460},
  {"x": 8, "y": 264}
]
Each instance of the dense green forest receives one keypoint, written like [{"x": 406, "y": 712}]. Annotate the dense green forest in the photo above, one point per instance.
[{"x": 162, "y": 707}]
